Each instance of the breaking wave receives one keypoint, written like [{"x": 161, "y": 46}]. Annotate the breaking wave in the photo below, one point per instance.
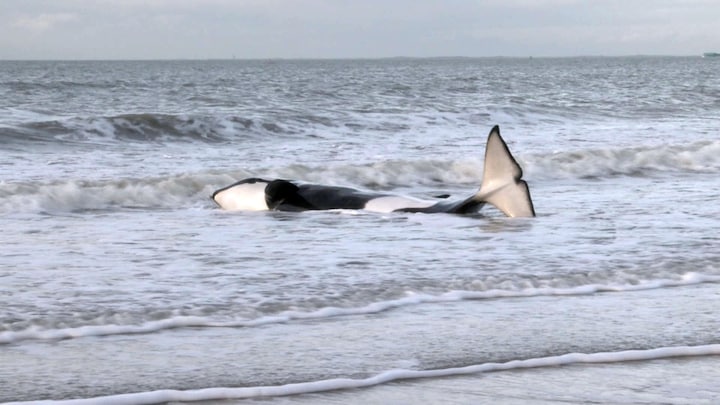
[
  {"x": 143, "y": 127},
  {"x": 134, "y": 323},
  {"x": 81, "y": 195},
  {"x": 425, "y": 178},
  {"x": 697, "y": 157},
  {"x": 387, "y": 376}
]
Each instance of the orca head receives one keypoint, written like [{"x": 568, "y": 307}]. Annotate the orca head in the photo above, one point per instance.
[{"x": 245, "y": 195}]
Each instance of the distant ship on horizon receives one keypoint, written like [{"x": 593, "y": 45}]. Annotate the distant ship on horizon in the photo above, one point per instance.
[{"x": 711, "y": 55}]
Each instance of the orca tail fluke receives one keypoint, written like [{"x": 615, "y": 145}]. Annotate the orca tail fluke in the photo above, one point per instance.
[{"x": 502, "y": 184}]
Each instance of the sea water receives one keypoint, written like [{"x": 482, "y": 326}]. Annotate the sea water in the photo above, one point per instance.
[{"x": 121, "y": 282}]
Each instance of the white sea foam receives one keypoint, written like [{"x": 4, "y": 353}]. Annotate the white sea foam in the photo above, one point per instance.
[
  {"x": 702, "y": 156},
  {"x": 223, "y": 393},
  {"x": 696, "y": 157},
  {"x": 143, "y": 127},
  {"x": 186, "y": 189},
  {"x": 80, "y": 195},
  {"x": 36, "y": 333},
  {"x": 642, "y": 212}
]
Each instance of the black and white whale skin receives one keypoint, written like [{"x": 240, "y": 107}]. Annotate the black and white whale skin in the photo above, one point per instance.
[{"x": 502, "y": 187}]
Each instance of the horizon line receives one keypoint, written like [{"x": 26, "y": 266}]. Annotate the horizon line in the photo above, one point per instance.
[{"x": 233, "y": 58}]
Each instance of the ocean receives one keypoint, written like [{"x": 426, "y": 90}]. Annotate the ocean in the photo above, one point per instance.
[{"x": 121, "y": 282}]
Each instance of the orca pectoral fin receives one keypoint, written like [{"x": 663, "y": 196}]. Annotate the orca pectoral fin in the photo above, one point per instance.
[
  {"x": 502, "y": 184},
  {"x": 284, "y": 195},
  {"x": 278, "y": 192}
]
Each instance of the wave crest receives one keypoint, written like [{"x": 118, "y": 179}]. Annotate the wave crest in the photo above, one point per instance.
[
  {"x": 82, "y": 195},
  {"x": 698, "y": 157},
  {"x": 424, "y": 178},
  {"x": 144, "y": 127},
  {"x": 120, "y": 324}
]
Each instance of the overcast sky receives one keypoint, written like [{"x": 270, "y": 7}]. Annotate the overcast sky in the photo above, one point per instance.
[{"x": 199, "y": 29}]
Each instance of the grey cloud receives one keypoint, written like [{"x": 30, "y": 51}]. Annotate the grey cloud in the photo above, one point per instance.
[{"x": 159, "y": 29}]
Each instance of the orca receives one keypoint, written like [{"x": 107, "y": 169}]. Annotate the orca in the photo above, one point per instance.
[{"x": 502, "y": 186}]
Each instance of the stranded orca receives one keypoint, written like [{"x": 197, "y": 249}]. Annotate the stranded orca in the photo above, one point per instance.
[{"x": 502, "y": 186}]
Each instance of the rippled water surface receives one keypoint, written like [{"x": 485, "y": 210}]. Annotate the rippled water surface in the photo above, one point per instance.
[{"x": 118, "y": 275}]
